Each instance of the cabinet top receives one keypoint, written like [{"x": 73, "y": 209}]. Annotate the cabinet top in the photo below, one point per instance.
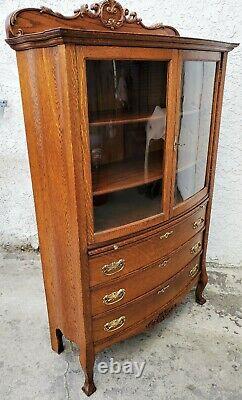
[{"x": 105, "y": 23}]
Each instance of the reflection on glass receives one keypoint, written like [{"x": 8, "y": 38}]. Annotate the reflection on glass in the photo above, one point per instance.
[
  {"x": 127, "y": 124},
  {"x": 196, "y": 110}
]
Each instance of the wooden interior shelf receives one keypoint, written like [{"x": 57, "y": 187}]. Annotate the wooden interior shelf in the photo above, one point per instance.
[
  {"x": 121, "y": 119},
  {"x": 124, "y": 119},
  {"x": 126, "y": 174}
]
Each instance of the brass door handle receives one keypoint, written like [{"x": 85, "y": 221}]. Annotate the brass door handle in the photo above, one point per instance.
[
  {"x": 113, "y": 268},
  {"x": 196, "y": 248},
  {"x": 194, "y": 271},
  {"x": 166, "y": 235},
  {"x": 114, "y": 297},
  {"x": 163, "y": 263},
  {"x": 198, "y": 223},
  {"x": 115, "y": 324},
  {"x": 163, "y": 289}
]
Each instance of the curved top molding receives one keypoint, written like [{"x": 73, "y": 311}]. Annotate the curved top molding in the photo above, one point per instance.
[{"x": 108, "y": 15}]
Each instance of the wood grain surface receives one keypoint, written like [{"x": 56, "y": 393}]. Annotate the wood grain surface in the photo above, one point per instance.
[{"x": 163, "y": 256}]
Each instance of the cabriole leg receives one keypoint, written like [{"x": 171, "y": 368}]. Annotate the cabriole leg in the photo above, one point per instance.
[
  {"x": 203, "y": 280},
  {"x": 87, "y": 364}
]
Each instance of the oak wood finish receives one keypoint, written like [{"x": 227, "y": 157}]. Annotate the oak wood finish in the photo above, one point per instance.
[
  {"x": 146, "y": 323},
  {"x": 165, "y": 253},
  {"x": 146, "y": 250},
  {"x": 145, "y": 305},
  {"x": 107, "y": 53},
  {"x": 147, "y": 277},
  {"x": 54, "y": 175},
  {"x": 100, "y": 17},
  {"x": 117, "y": 176},
  {"x": 120, "y": 120},
  {"x": 216, "y": 125}
]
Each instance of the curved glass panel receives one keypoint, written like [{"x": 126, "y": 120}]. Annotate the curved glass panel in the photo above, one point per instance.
[{"x": 196, "y": 110}]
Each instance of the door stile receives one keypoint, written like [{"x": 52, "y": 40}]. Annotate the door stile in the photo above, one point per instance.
[
  {"x": 176, "y": 126},
  {"x": 84, "y": 131}
]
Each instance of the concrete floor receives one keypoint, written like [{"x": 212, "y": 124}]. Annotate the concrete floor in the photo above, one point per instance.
[{"x": 193, "y": 354}]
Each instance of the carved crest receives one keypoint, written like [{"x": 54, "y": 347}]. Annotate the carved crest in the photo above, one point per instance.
[
  {"x": 112, "y": 14},
  {"x": 109, "y": 14}
]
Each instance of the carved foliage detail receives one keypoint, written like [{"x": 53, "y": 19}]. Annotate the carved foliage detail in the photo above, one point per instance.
[
  {"x": 111, "y": 14},
  {"x": 160, "y": 317}
]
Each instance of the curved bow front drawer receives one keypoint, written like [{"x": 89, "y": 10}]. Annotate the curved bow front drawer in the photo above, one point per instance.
[
  {"x": 125, "y": 289},
  {"x": 113, "y": 264},
  {"x": 123, "y": 317}
]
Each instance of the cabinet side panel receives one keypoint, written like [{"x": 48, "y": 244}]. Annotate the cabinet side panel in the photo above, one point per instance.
[
  {"x": 46, "y": 95},
  {"x": 213, "y": 157}
]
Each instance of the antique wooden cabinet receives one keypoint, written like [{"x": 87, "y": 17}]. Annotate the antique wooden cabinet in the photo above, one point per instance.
[{"x": 122, "y": 124}]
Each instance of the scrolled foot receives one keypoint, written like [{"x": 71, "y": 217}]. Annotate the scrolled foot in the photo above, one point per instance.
[
  {"x": 199, "y": 290},
  {"x": 89, "y": 388},
  {"x": 87, "y": 359},
  {"x": 200, "y": 299}
]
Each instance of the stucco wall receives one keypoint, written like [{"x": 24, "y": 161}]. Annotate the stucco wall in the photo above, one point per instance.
[{"x": 219, "y": 19}]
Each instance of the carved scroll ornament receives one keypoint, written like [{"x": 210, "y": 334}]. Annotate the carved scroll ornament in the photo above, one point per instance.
[{"x": 110, "y": 13}]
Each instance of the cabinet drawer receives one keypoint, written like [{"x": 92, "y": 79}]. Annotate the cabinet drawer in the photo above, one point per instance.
[
  {"x": 123, "y": 317},
  {"x": 144, "y": 280},
  {"x": 116, "y": 263}
]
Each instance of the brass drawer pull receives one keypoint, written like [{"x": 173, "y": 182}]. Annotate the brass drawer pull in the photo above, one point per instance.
[
  {"x": 115, "y": 324},
  {"x": 163, "y": 263},
  {"x": 198, "y": 223},
  {"x": 164, "y": 289},
  {"x": 114, "y": 267},
  {"x": 114, "y": 297},
  {"x": 196, "y": 248},
  {"x": 166, "y": 235},
  {"x": 194, "y": 271}
]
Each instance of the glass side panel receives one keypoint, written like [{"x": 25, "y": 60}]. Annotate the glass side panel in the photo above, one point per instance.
[
  {"x": 196, "y": 109},
  {"x": 127, "y": 126}
]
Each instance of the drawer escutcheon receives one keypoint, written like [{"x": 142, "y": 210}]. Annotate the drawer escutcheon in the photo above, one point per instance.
[
  {"x": 114, "y": 297},
  {"x": 194, "y": 271},
  {"x": 166, "y": 235},
  {"x": 113, "y": 268},
  {"x": 115, "y": 324},
  {"x": 198, "y": 223},
  {"x": 197, "y": 247}
]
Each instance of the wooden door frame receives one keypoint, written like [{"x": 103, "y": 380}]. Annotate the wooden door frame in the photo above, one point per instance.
[
  {"x": 194, "y": 55},
  {"x": 104, "y": 52}
]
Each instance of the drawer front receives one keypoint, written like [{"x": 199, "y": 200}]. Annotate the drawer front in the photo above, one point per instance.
[
  {"x": 125, "y": 316},
  {"x": 116, "y": 263},
  {"x": 144, "y": 280}
]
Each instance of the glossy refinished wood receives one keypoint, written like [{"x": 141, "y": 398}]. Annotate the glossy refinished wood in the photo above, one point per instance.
[{"x": 89, "y": 275}]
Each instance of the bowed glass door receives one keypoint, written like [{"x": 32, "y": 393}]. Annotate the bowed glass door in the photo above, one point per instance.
[
  {"x": 127, "y": 115},
  {"x": 192, "y": 143}
]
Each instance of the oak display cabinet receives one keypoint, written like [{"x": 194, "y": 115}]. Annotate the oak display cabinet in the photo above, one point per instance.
[{"x": 122, "y": 124}]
